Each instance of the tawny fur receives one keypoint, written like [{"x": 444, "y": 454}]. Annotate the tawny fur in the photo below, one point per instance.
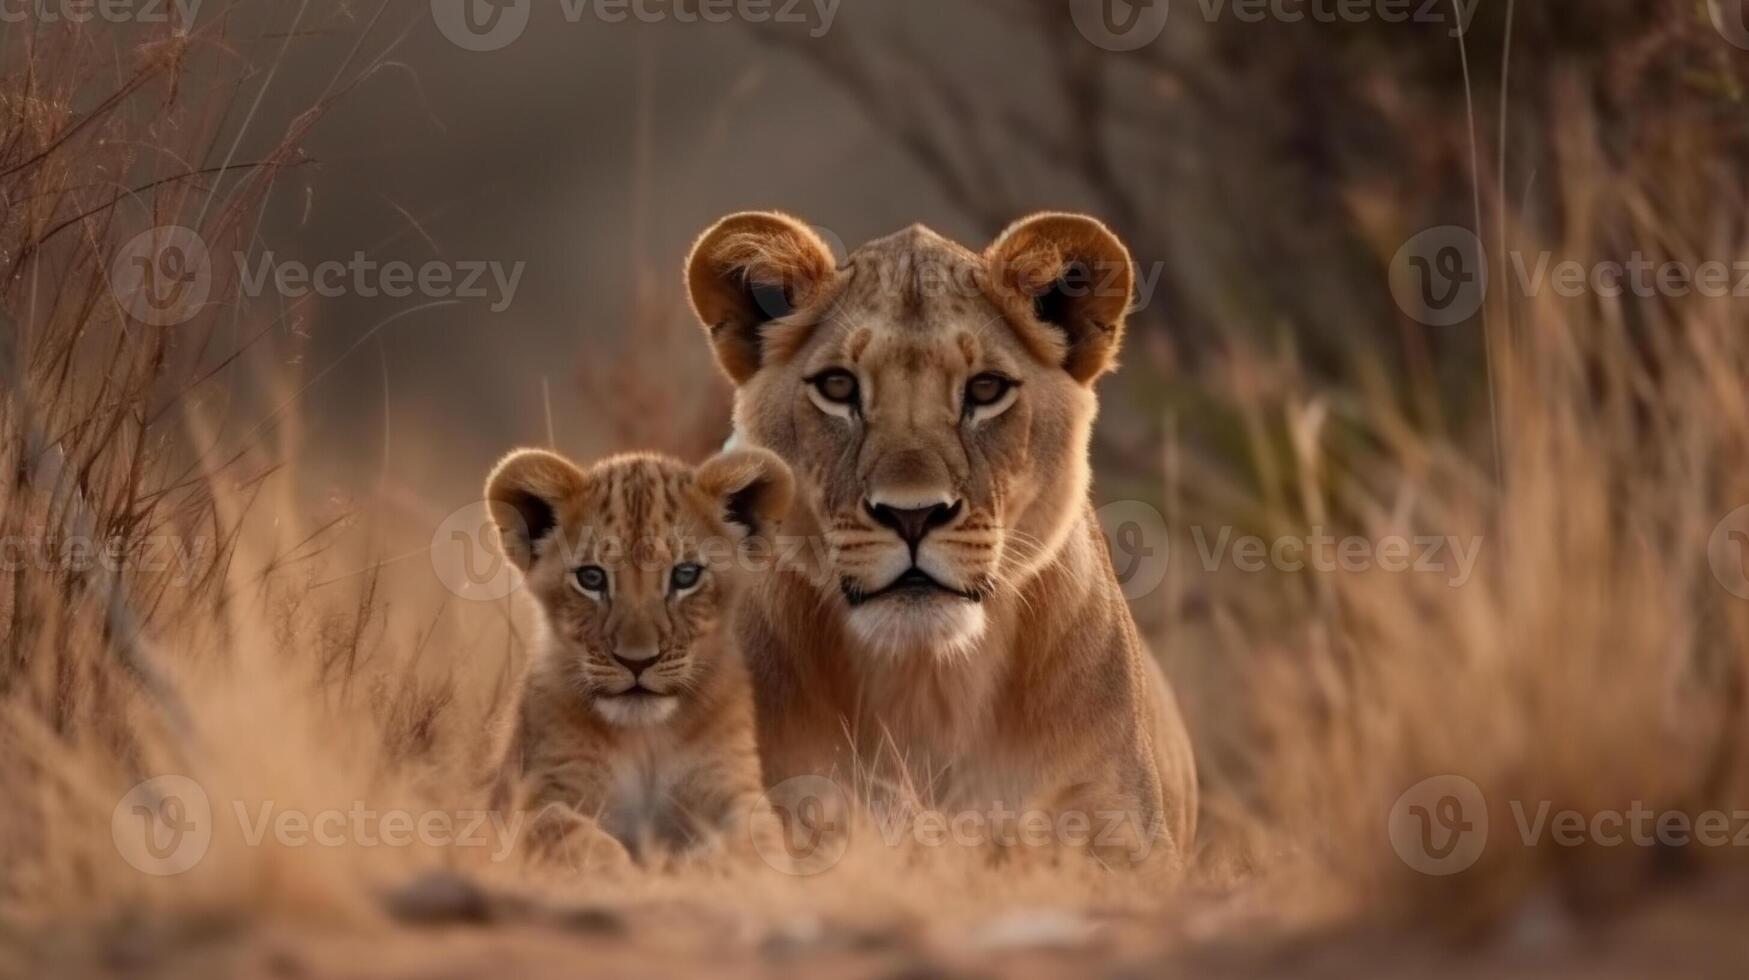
[
  {"x": 1042, "y": 695},
  {"x": 599, "y": 776}
]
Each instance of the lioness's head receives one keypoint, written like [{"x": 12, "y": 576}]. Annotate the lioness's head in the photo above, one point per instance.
[
  {"x": 935, "y": 403},
  {"x": 634, "y": 563}
]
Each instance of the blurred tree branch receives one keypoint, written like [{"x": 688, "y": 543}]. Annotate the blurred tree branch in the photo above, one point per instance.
[
  {"x": 976, "y": 146},
  {"x": 1265, "y": 173}
]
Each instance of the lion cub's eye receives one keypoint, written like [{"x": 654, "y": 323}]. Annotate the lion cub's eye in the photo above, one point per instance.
[
  {"x": 986, "y": 390},
  {"x": 685, "y": 576},
  {"x": 591, "y": 580},
  {"x": 836, "y": 386}
]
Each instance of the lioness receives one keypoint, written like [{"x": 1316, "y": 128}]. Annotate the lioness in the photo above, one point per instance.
[
  {"x": 961, "y": 631},
  {"x": 635, "y": 718}
]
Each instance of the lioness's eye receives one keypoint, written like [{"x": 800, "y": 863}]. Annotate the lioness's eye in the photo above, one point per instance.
[
  {"x": 685, "y": 576},
  {"x": 986, "y": 389},
  {"x": 836, "y": 386},
  {"x": 593, "y": 579}
]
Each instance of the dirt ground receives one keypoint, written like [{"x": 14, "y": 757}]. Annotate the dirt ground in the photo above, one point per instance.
[{"x": 445, "y": 927}]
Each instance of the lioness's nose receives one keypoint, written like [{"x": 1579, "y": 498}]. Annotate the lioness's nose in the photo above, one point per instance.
[{"x": 913, "y": 523}]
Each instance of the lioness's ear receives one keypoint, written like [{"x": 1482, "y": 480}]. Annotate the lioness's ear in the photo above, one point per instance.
[
  {"x": 747, "y": 270},
  {"x": 524, "y": 493},
  {"x": 1067, "y": 274},
  {"x": 752, "y": 486}
]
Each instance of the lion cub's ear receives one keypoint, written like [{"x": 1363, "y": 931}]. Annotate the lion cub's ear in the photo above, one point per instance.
[
  {"x": 752, "y": 488},
  {"x": 1066, "y": 273},
  {"x": 748, "y": 270},
  {"x": 524, "y": 494}
]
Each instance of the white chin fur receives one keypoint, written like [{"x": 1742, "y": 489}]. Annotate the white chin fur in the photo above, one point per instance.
[
  {"x": 895, "y": 628},
  {"x": 636, "y": 712}
]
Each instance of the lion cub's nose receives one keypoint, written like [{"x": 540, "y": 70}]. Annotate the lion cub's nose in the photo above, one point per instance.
[
  {"x": 635, "y": 659},
  {"x": 913, "y": 523}
]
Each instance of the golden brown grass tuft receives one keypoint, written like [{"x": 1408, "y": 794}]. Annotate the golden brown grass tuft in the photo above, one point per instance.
[{"x": 1594, "y": 659}]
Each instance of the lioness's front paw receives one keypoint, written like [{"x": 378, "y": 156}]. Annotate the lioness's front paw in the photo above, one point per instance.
[{"x": 561, "y": 837}]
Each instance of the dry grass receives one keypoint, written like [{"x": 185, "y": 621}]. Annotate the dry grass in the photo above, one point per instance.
[{"x": 1592, "y": 660}]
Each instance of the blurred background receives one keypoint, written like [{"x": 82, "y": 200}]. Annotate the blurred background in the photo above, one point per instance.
[{"x": 1263, "y": 170}]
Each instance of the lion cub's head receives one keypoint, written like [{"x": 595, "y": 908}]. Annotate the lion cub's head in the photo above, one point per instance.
[
  {"x": 634, "y": 563},
  {"x": 936, "y": 403}
]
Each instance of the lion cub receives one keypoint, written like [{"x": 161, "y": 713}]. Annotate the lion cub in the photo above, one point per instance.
[{"x": 636, "y": 717}]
